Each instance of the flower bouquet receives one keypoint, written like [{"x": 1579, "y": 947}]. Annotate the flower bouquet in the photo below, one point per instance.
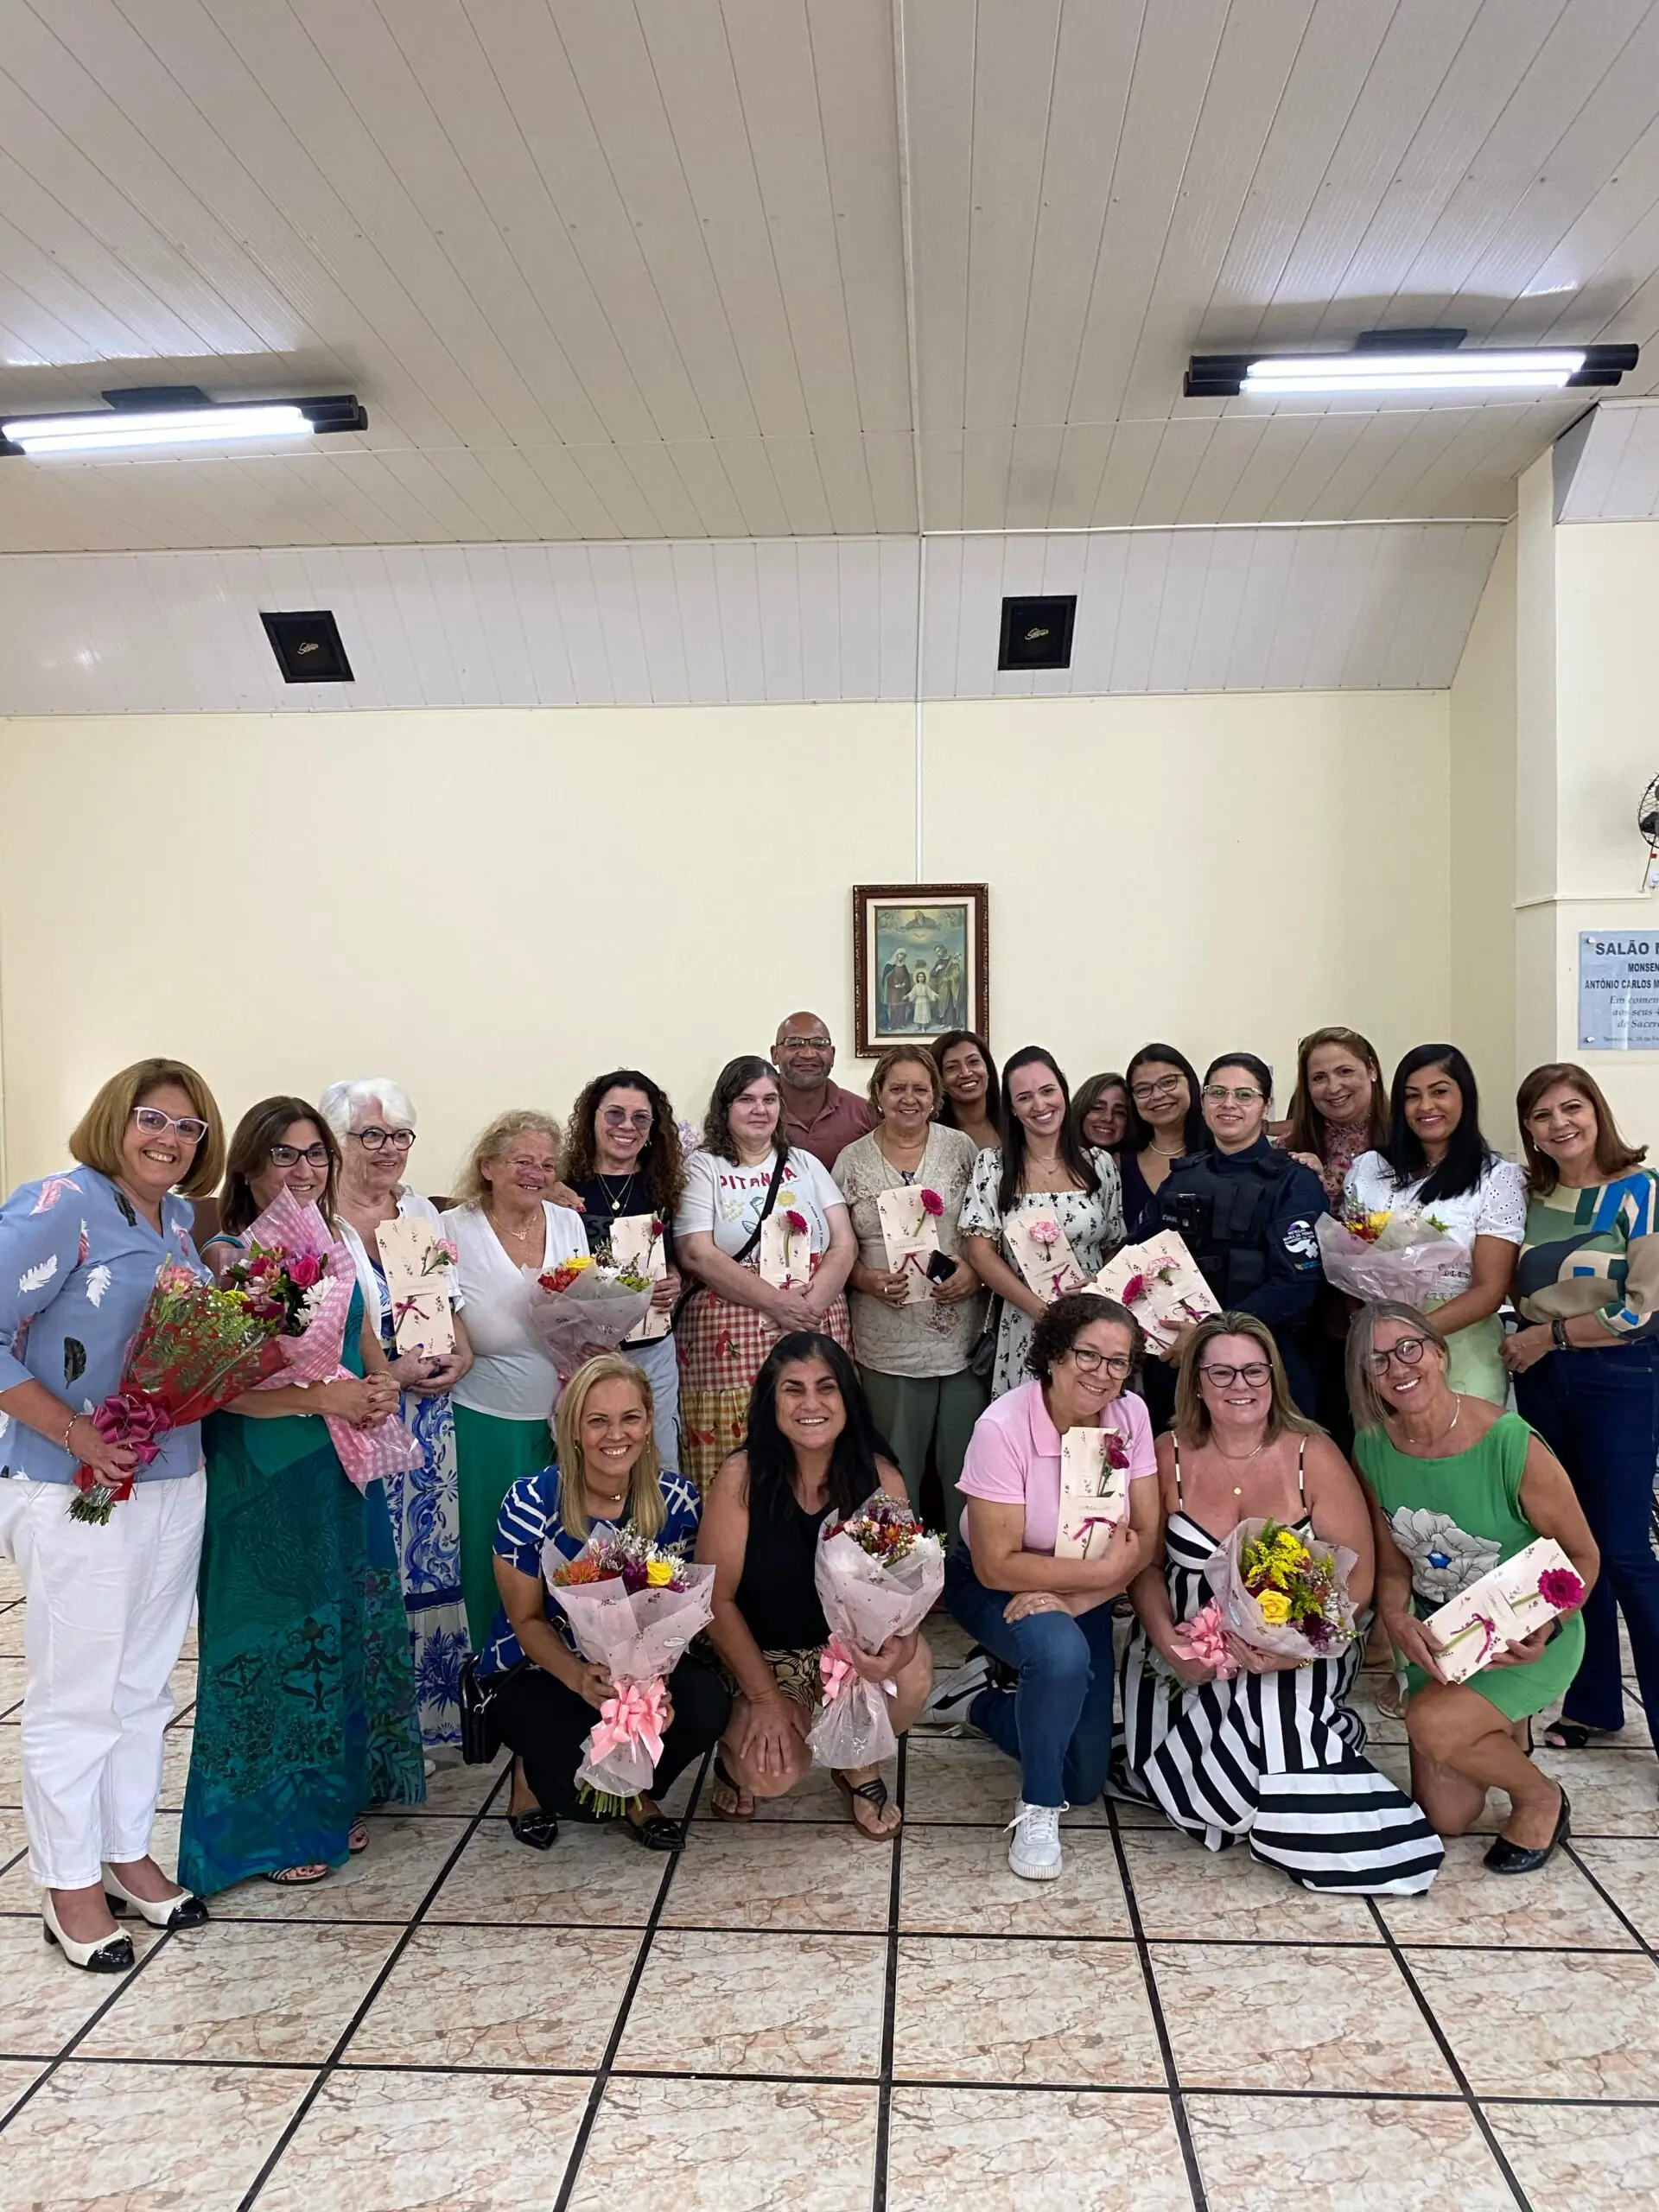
[
  {"x": 1160, "y": 1283},
  {"x": 1277, "y": 1596},
  {"x": 1042, "y": 1252},
  {"x": 197, "y": 1347},
  {"x": 633, "y": 1607},
  {"x": 293, "y": 1264},
  {"x": 1527, "y": 1591},
  {"x": 1400, "y": 1255},
  {"x": 583, "y": 1303},
  {"x": 877, "y": 1575}
]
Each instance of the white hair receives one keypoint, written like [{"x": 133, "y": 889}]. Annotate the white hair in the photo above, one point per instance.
[{"x": 341, "y": 1101}]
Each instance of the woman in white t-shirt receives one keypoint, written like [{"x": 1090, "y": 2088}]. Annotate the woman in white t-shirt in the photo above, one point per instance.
[
  {"x": 1437, "y": 1167},
  {"x": 736, "y": 1315}
]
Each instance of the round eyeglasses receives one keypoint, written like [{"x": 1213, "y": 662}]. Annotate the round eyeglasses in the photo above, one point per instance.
[
  {"x": 375, "y": 1139},
  {"x": 1099, "y": 1363},
  {"x": 1408, "y": 1351},
  {"x": 1255, "y": 1372},
  {"x": 290, "y": 1155}
]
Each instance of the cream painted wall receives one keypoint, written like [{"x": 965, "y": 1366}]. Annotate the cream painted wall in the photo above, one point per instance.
[
  {"x": 492, "y": 904},
  {"x": 1483, "y": 741}
]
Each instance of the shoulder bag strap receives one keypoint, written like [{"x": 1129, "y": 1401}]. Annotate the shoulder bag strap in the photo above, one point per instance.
[{"x": 773, "y": 1189}]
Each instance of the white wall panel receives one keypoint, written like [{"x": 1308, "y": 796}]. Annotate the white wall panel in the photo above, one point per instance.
[{"x": 1617, "y": 478}]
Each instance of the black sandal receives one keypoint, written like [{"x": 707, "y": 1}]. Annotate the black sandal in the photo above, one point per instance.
[
  {"x": 1572, "y": 1735},
  {"x": 539, "y": 1830},
  {"x": 874, "y": 1793}
]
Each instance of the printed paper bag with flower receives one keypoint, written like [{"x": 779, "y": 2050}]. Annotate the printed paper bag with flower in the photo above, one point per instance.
[
  {"x": 417, "y": 1263},
  {"x": 1160, "y": 1283},
  {"x": 1524, "y": 1593},
  {"x": 910, "y": 1231},
  {"x": 1039, "y": 1249},
  {"x": 638, "y": 1247},
  {"x": 786, "y": 1245},
  {"x": 1094, "y": 1490}
]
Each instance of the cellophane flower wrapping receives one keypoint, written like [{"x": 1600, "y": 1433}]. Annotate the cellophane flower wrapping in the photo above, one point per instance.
[
  {"x": 869, "y": 1595},
  {"x": 312, "y": 1353},
  {"x": 582, "y": 1303},
  {"x": 639, "y": 1635},
  {"x": 1326, "y": 1625},
  {"x": 1402, "y": 1263},
  {"x": 195, "y": 1348}
]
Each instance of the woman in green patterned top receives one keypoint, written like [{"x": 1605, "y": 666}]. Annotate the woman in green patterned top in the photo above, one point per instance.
[
  {"x": 1586, "y": 1366},
  {"x": 1456, "y": 1486}
]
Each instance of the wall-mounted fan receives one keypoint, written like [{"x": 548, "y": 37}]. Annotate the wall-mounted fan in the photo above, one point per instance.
[{"x": 1647, "y": 820}]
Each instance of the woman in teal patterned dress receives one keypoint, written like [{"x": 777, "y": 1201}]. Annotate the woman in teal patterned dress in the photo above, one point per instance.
[{"x": 305, "y": 1710}]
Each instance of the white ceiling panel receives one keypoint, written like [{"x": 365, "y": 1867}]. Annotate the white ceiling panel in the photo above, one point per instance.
[{"x": 1615, "y": 477}]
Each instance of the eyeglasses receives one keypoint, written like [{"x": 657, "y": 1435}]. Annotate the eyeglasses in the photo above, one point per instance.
[
  {"x": 802, "y": 1044},
  {"x": 1099, "y": 1363},
  {"x": 375, "y": 1139},
  {"x": 1255, "y": 1372},
  {"x": 1408, "y": 1351},
  {"x": 153, "y": 1121},
  {"x": 290, "y": 1155},
  {"x": 1166, "y": 1087},
  {"x": 617, "y": 1117},
  {"x": 1218, "y": 1094}
]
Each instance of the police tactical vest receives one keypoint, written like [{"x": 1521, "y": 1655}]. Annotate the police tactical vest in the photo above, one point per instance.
[{"x": 1224, "y": 1219}]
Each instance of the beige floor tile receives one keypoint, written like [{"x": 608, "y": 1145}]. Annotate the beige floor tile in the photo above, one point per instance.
[
  {"x": 1629, "y": 1872},
  {"x": 1553, "y": 1910},
  {"x": 43, "y": 2000},
  {"x": 386, "y": 1882},
  {"x": 957, "y": 1881},
  {"x": 1547, "y": 2024},
  {"x": 967, "y": 1778},
  {"x": 1260, "y": 2154},
  {"x": 15, "y": 2074},
  {"x": 1183, "y": 1890},
  {"x": 11, "y": 1766},
  {"x": 145, "y": 2138},
  {"x": 231, "y": 1990},
  {"x": 11, "y": 1684},
  {"x": 739, "y": 2003},
  {"x": 429, "y": 2143},
  {"x": 489, "y": 1997},
  {"x": 1568, "y": 2158},
  {"x": 592, "y": 1877},
  {"x": 1613, "y": 1792},
  {"x": 786, "y": 1877},
  {"x": 1023, "y": 2012},
  {"x": 669, "y": 2146},
  {"x": 176, "y": 1767},
  {"x": 11, "y": 1631},
  {"x": 1030, "y": 2151},
  {"x": 455, "y": 1788},
  {"x": 1289, "y": 2017}
]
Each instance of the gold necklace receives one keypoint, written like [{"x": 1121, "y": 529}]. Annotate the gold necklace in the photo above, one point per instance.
[
  {"x": 1163, "y": 1153},
  {"x": 1444, "y": 1433},
  {"x": 1239, "y": 1488},
  {"x": 521, "y": 1236},
  {"x": 627, "y": 1185}
]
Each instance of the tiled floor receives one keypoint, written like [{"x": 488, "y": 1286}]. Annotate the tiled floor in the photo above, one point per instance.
[{"x": 785, "y": 2016}]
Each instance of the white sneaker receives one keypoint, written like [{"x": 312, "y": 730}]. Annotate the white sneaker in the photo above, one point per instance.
[{"x": 1034, "y": 1853}]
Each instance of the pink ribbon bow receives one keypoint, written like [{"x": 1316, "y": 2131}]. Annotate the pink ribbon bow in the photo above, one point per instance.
[
  {"x": 835, "y": 1668},
  {"x": 636, "y": 1714}
]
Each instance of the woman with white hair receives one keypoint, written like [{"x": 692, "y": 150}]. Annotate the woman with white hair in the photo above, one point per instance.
[{"x": 374, "y": 1119}]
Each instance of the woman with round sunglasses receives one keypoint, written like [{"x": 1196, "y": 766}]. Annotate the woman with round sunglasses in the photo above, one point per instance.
[
  {"x": 107, "y": 1606},
  {"x": 1270, "y": 1756},
  {"x": 1456, "y": 1486}
]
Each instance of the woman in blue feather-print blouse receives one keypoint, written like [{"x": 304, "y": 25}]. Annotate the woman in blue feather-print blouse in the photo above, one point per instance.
[{"x": 108, "y": 1606}]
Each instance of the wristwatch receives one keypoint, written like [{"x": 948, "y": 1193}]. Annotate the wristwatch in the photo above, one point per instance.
[{"x": 1558, "y": 1335}]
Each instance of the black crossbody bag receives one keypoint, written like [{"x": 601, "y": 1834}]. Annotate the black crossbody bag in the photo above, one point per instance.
[{"x": 738, "y": 1258}]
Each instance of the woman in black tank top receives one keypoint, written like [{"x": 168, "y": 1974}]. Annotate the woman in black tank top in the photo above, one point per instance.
[{"x": 811, "y": 1450}]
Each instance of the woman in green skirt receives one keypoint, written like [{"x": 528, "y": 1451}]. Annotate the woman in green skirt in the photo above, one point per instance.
[
  {"x": 305, "y": 1710},
  {"x": 1455, "y": 1487}
]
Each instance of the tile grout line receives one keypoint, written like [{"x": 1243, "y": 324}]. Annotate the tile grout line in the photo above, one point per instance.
[
  {"x": 330, "y": 2064},
  {"x": 889, "y": 2005},
  {"x": 1454, "y": 2065},
  {"x": 122, "y": 1985},
  {"x": 1609, "y": 1901},
  {"x": 1160, "y": 2025}
]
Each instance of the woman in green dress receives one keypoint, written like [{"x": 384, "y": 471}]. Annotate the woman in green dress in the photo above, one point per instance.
[
  {"x": 305, "y": 1711},
  {"x": 1456, "y": 1486}
]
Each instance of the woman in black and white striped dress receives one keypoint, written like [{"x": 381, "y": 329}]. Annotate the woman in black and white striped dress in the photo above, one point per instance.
[{"x": 1271, "y": 1758}]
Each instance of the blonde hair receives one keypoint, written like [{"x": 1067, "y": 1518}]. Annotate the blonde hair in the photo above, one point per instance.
[
  {"x": 646, "y": 1512},
  {"x": 1192, "y": 1423},
  {"x": 96, "y": 1138},
  {"x": 471, "y": 1189},
  {"x": 1365, "y": 1400}
]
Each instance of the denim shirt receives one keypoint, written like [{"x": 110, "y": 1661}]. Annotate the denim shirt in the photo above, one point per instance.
[{"x": 78, "y": 1262}]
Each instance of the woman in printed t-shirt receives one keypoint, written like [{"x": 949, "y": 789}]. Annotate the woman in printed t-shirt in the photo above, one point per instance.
[{"x": 745, "y": 1171}]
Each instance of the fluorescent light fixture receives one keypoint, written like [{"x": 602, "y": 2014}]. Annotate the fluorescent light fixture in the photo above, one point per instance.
[
  {"x": 138, "y": 422},
  {"x": 1384, "y": 361}
]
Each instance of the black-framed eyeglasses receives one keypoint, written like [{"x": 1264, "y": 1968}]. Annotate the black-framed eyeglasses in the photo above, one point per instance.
[
  {"x": 1100, "y": 1362},
  {"x": 802, "y": 1044},
  {"x": 375, "y": 1139},
  {"x": 1408, "y": 1351},
  {"x": 1255, "y": 1372},
  {"x": 1166, "y": 1087},
  {"x": 153, "y": 1123},
  {"x": 290, "y": 1155}
]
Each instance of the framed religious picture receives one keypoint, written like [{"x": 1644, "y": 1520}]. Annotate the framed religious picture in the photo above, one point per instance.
[{"x": 921, "y": 961}]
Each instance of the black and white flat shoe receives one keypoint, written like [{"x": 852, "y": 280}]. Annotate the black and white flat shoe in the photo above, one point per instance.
[
  {"x": 1507, "y": 1858},
  {"x": 109, "y": 1955},
  {"x": 184, "y": 1910}
]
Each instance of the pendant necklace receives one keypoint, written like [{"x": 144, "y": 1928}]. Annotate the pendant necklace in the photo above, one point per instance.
[
  {"x": 1239, "y": 1488},
  {"x": 627, "y": 1185}
]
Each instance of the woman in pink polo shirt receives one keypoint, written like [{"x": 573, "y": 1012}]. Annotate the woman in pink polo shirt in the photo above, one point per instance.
[{"x": 1052, "y": 1618}]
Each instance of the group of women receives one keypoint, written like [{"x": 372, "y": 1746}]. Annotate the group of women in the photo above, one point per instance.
[{"x": 337, "y": 1616}]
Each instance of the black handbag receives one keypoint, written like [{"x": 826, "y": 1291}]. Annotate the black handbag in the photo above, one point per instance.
[
  {"x": 982, "y": 1360},
  {"x": 480, "y": 1734}
]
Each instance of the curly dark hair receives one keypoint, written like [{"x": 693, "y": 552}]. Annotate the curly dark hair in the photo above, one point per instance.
[
  {"x": 661, "y": 1163},
  {"x": 1064, "y": 1321},
  {"x": 733, "y": 1080}
]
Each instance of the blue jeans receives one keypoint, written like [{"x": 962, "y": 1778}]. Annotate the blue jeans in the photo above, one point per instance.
[
  {"x": 1598, "y": 1413},
  {"x": 1059, "y": 1722}
]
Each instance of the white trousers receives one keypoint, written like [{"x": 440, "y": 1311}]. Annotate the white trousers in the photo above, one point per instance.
[{"x": 106, "y": 1616}]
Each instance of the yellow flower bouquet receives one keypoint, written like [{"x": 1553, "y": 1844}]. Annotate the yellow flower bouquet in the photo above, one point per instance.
[{"x": 1279, "y": 1596}]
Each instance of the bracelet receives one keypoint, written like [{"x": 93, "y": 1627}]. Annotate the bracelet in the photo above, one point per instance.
[
  {"x": 70, "y": 1431},
  {"x": 1558, "y": 1335}
]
